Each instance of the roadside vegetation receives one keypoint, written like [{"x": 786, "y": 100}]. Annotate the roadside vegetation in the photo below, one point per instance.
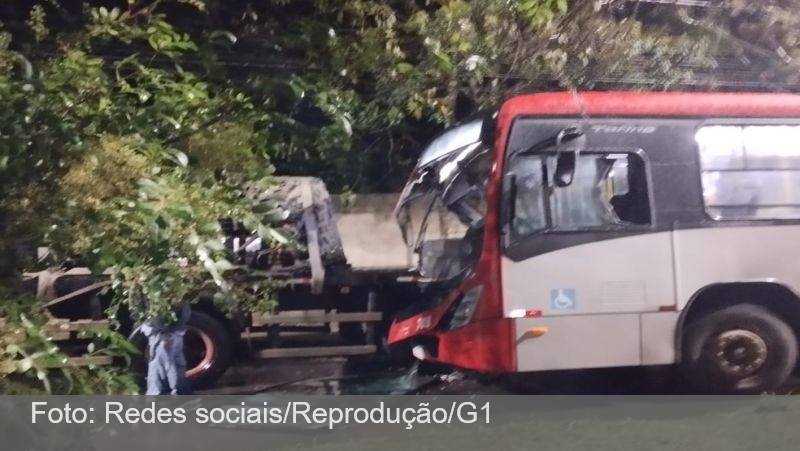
[{"x": 128, "y": 128}]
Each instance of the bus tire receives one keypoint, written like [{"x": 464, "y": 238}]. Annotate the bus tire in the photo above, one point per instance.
[
  {"x": 742, "y": 349},
  {"x": 208, "y": 348}
]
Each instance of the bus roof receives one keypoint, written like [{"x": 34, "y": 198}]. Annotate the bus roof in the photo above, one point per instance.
[{"x": 669, "y": 104}]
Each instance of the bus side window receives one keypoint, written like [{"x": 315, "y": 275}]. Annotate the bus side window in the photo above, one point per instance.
[
  {"x": 750, "y": 172},
  {"x": 530, "y": 216},
  {"x": 630, "y": 197},
  {"x": 609, "y": 190}
]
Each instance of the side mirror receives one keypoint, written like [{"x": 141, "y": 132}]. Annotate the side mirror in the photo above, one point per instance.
[
  {"x": 565, "y": 169},
  {"x": 569, "y": 142}
]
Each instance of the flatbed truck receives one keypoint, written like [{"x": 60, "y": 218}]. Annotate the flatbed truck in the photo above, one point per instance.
[{"x": 339, "y": 291}]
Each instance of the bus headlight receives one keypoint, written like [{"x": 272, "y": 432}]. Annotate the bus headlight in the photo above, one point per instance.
[{"x": 465, "y": 308}]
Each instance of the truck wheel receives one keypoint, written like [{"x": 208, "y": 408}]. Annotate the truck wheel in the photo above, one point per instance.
[
  {"x": 740, "y": 349},
  {"x": 208, "y": 349}
]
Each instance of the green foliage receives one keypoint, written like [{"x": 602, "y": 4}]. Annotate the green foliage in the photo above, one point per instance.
[
  {"x": 204, "y": 149},
  {"x": 397, "y": 70},
  {"x": 382, "y": 76},
  {"x": 539, "y": 12},
  {"x": 36, "y": 22},
  {"x": 30, "y": 358},
  {"x": 127, "y": 134},
  {"x": 110, "y": 159}
]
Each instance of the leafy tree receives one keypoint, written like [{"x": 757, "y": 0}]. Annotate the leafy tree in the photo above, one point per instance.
[
  {"x": 109, "y": 159},
  {"x": 377, "y": 79},
  {"x": 128, "y": 128}
]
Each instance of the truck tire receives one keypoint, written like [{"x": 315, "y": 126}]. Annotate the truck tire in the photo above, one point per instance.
[
  {"x": 742, "y": 349},
  {"x": 208, "y": 349}
]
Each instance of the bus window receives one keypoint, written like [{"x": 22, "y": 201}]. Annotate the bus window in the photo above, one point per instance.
[
  {"x": 609, "y": 190},
  {"x": 750, "y": 172},
  {"x": 529, "y": 216}
]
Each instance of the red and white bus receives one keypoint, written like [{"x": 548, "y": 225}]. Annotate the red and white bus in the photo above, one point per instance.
[{"x": 605, "y": 229}]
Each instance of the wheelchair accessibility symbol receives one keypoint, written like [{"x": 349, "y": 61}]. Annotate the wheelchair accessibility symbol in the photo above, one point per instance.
[{"x": 563, "y": 299}]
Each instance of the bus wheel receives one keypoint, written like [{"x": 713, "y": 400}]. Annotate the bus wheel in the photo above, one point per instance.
[{"x": 739, "y": 349}]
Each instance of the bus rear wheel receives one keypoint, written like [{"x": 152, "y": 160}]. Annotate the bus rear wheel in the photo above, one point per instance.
[{"x": 742, "y": 349}]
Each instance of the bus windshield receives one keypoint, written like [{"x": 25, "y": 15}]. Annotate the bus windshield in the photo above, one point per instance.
[{"x": 442, "y": 209}]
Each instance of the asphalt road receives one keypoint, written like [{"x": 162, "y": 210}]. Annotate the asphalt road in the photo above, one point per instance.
[{"x": 329, "y": 375}]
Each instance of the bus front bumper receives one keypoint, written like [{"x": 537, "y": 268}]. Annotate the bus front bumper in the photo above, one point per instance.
[{"x": 482, "y": 345}]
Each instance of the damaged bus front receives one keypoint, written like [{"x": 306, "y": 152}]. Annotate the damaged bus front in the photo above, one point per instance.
[{"x": 442, "y": 213}]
